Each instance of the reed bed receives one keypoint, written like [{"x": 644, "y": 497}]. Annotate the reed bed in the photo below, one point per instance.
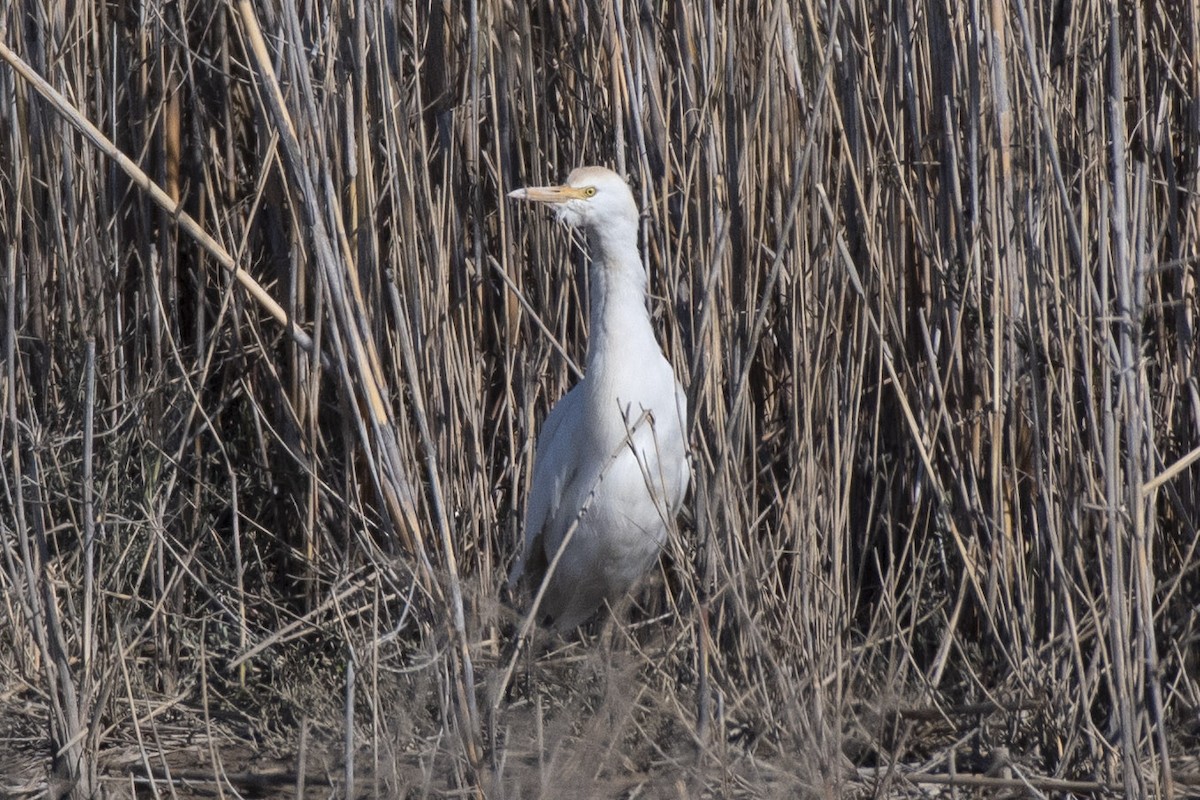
[{"x": 276, "y": 348}]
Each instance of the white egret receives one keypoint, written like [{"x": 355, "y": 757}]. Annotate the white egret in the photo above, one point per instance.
[{"x": 610, "y": 470}]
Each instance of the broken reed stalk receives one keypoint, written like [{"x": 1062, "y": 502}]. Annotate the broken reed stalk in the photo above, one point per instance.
[{"x": 155, "y": 193}]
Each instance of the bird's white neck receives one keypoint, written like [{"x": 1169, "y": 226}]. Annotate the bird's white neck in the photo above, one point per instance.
[{"x": 619, "y": 321}]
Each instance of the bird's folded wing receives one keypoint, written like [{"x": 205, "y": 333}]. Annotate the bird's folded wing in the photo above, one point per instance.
[{"x": 555, "y": 465}]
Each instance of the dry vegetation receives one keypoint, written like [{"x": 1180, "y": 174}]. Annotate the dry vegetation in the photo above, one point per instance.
[{"x": 927, "y": 270}]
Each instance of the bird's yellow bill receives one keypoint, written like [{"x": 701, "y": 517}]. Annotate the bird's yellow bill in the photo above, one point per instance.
[{"x": 548, "y": 194}]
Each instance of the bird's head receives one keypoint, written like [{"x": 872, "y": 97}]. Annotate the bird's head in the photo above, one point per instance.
[{"x": 593, "y": 198}]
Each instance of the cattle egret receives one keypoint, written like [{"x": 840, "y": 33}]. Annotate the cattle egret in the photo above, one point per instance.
[{"x": 610, "y": 470}]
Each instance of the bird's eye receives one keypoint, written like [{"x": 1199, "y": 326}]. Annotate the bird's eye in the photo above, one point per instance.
[{"x": 589, "y": 191}]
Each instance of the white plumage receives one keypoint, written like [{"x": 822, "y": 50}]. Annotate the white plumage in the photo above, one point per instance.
[{"x": 612, "y": 453}]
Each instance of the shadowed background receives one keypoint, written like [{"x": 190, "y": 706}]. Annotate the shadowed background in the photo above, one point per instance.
[{"x": 927, "y": 273}]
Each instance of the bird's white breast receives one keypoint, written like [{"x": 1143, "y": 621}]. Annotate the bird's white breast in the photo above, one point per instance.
[{"x": 636, "y": 420}]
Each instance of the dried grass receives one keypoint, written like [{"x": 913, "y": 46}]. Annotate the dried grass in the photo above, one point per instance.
[{"x": 928, "y": 272}]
